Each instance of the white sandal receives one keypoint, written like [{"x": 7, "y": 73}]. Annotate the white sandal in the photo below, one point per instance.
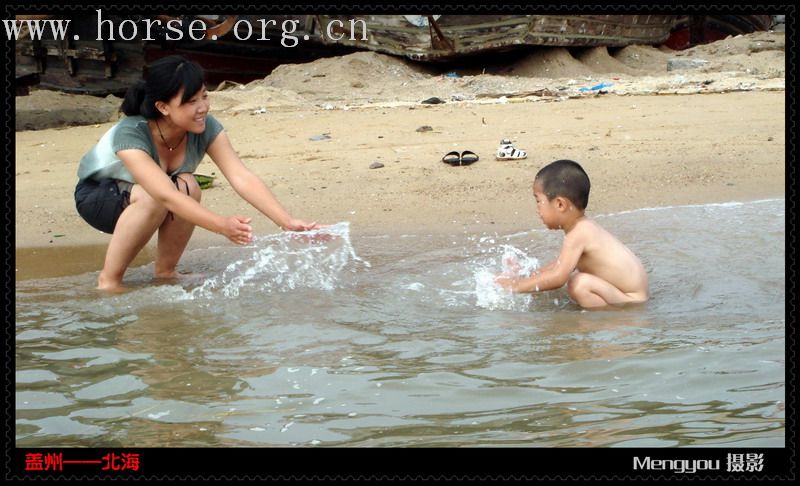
[{"x": 506, "y": 151}]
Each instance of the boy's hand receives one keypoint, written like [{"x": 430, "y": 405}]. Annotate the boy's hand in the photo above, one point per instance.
[
  {"x": 512, "y": 265},
  {"x": 508, "y": 283}
]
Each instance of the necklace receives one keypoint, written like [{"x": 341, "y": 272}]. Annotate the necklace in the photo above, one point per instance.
[{"x": 165, "y": 141}]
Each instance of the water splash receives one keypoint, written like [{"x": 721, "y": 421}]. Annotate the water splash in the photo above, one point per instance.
[
  {"x": 287, "y": 261},
  {"x": 505, "y": 260}
]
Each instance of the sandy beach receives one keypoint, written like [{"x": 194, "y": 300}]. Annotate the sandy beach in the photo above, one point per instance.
[{"x": 652, "y": 138}]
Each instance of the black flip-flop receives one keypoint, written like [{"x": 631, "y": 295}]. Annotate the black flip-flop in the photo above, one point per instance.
[
  {"x": 452, "y": 158},
  {"x": 468, "y": 157}
]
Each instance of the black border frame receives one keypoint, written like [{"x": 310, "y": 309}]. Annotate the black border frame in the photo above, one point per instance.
[{"x": 364, "y": 464}]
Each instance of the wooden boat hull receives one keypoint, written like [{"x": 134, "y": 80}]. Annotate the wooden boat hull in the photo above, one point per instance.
[
  {"x": 433, "y": 37},
  {"x": 692, "y": 30}
]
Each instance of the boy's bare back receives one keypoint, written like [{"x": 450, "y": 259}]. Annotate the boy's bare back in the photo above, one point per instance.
[{"x": 601, "y": 254}]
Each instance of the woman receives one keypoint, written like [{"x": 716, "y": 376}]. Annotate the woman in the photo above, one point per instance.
[{"x": 138, "y": 178}]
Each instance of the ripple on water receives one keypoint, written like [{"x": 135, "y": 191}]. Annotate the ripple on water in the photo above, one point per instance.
[{"x": 291, "y": 342}]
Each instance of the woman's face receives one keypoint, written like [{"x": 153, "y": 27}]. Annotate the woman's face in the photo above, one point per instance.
[{"x": 191, "y": 115}]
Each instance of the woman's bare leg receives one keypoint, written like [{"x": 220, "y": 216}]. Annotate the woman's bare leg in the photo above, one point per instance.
[
  {"x": 135, "y": 227},
  {"x": 175, "y": 232}
]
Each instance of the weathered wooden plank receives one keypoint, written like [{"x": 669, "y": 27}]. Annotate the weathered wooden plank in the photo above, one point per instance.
[{"x": 464, "y": 34}]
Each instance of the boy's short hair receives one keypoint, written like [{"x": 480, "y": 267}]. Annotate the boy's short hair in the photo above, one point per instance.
[{"x": 565, "y": 178}]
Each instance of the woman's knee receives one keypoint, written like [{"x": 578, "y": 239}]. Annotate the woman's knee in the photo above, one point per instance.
[
  {"x": 187, "y": 184},
  {"x": 143, "y": 201}
]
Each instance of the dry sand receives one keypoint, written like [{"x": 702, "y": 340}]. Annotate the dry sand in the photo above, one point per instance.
[{"x": 655, "y": 137}]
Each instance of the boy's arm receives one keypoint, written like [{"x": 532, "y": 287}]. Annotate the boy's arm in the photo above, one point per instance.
[
  {"x": 543, "y": 269},
  {"x": 555, "y": 274}
]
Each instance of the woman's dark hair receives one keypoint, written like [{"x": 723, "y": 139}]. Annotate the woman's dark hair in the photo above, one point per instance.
[
  {"x": 565, "y": 178},
  {"x": 163, "y": 80}
]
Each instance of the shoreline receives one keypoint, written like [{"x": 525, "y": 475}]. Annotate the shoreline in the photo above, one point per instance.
[{"x": 33, "y": 262}]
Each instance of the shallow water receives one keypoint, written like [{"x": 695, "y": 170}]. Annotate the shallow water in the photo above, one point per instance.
[{"x": 405, "y": 341}]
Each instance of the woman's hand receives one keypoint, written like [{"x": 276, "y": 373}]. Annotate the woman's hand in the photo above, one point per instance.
[
  {"x": 300, "y": 225},
  {"x": 238, "y": 230},
  {"x": 295, "y": 224}
]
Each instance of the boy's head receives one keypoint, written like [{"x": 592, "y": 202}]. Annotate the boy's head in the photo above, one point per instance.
[{"x": 564, "y": 178}]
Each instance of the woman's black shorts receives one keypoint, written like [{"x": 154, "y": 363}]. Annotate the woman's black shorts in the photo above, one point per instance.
[{"x": 101, "y": 203}]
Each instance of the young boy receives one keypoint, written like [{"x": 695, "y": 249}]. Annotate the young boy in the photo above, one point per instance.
[{"x": 598, "y": 269}]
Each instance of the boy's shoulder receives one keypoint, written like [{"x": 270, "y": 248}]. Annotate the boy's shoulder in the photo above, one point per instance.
[
  {"x": 586, "y": 230},
  {"x": 586, "y": 224}
]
